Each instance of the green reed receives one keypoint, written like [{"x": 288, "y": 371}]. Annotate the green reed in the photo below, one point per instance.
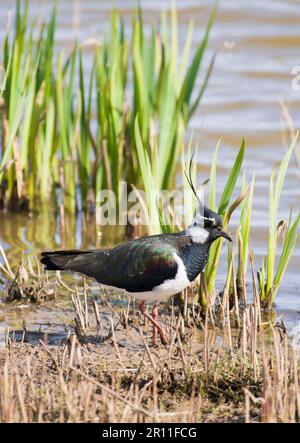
[
  {"x": 55, "y": 134},
  {"x": 25, "y": 98},
  {"x": 272, "y": 271},
  {"x": 285, "y": 231},
  {"x": 270, "y": 276},
  {"x": 224, "y": 208},
  {"x": 242, "y": 236}
]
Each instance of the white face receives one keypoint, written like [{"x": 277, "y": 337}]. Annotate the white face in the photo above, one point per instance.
[{"x": 198, "y": 233}]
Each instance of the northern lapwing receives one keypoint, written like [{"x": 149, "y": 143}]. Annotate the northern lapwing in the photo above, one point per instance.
[{"x": 152, "y": 268}]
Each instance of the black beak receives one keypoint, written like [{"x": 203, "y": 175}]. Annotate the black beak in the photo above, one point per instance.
[{"x": 226, "y": 236}]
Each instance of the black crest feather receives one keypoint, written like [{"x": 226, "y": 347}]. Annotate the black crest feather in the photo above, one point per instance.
[{"x": 210, "y": 217}]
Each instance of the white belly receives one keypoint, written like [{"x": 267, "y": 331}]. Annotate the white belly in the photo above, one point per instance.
[{"x": 169, "y": 287}]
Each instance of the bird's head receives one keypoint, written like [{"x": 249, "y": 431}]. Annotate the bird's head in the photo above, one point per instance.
[{"x": 207, "y": 225}]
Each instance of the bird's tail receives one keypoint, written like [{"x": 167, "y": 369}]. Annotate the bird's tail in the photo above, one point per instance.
[{"x": 64, "y": 260}]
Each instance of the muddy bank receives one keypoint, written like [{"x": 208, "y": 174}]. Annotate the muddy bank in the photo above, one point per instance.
[
  {"x": 117, "y": 383},
  {"x": 214, "y": 374}
]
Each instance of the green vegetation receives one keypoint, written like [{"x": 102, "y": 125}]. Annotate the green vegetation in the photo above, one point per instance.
[
  {"x": 269, "y": 278},
  {"x": 51, "y": 133},
  {"x": 224, "y": 209}
]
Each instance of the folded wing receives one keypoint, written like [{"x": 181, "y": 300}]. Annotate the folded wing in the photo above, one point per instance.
[{"x": 136, "y": 266}]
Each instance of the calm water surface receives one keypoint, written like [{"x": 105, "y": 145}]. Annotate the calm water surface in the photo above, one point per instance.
[{"x": 258, "y": 44}]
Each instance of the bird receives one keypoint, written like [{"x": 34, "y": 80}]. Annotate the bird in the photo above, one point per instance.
[{"x": 151, "y": 268}]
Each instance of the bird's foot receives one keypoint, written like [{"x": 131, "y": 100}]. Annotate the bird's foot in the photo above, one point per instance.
[
  {"x": 154, "y": 315},
  {"x": 154, "y": 335},
  {"x": 164, "y": 337},
  {"x": 155, "y": 326},
  {"x": 157, "y": 329}
]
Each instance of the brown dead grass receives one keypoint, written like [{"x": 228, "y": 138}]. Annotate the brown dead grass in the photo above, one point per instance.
[{"x": 202, "y": 376}]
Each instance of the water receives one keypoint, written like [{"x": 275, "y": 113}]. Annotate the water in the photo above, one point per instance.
[{"x": 257, "y": 46}]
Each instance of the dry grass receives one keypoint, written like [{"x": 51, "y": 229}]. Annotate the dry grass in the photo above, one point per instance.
[
  {"x": 111, "y": 374},
  {"x": 28, "y": 283}
]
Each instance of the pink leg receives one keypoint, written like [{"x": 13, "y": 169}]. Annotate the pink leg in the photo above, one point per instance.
[
  {"x": 154, "y": 315},
  {"x": 163, "y": 335}
]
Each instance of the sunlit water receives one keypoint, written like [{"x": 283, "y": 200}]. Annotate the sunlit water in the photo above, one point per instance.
[{"x": 257, "y": 46}]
